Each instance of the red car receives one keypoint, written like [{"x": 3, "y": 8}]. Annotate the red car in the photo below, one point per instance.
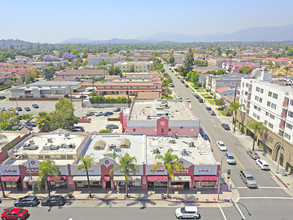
[{"x": 14, "y": 213}]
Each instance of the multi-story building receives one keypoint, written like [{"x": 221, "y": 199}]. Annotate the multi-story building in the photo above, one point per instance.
[
  {"x": 46, "y": 89},
  {"x": 140, "y": 88},
  {"x": 138, "y": 66},
  {"x": 160, "y": 117},
  {"x": 94, "y": 60},
  {"x": 82, "y": 73}
]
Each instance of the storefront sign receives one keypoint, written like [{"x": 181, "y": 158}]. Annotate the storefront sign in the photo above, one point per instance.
[
  {"x": 181, "y": 170},
  {"x": 9, "y": 170},
  {"x": 33, "y": 163},
  {"x": 93, "y": 171},
  {"x": 107, "y": 162},
  {"x": 205, "y": 170},
  {"x": 158, "y": 172}
]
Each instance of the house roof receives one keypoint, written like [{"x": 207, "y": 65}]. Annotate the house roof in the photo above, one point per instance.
[{"x": 222, "y": 89}]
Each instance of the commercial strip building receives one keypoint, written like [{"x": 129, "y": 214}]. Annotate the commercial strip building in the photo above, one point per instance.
[
  {"x": 160, "y": 117},
  {"x": 271, "y": 102},
  {"x": 45, "y": 89},
  {"x": 137, "y": 65},
  {"x": 200, "y": 168}
]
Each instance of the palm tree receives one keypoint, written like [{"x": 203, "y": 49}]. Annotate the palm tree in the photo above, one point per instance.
[
  {"x": 43, "y": 121},
  {"x": 86, "y": 163},
  {"x": 170, "y": 162},
  {"x": 232, "y": 109},
  {"x": 127, "y": 166},
  {"x": 287, "y": 68},
  {"x": 256, "y": 127},
  {"x": 48, "y": 168}
]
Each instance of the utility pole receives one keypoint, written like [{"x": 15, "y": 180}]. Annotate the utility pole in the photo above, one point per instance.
[{"x": 220, "y": 174}]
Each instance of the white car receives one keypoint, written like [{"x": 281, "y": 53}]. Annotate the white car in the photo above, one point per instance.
[
  {"x": 221, "y": 145},
  {"x": 262, "y": 164},
  {"x": 188, "y": 100},
  {"x": 99, "y": 113},
  {"x": 187, "y": 212}
]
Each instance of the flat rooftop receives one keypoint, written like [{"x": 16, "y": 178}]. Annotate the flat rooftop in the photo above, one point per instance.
[
  {"x": 9, "y": 137},
  {"x": 145, "y": 148},
  {"x": 58, "y": 162},
  {"x": 150, "y": 110}
]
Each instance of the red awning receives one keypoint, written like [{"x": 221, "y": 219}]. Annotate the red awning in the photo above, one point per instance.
[
  {"x": 9, "y": 178},
  {"x": 157, "y": 178},
  {"x": 54, "y": 178},
  {"x": 107, "y": 178},
  {"x": 205, "y": 178}
]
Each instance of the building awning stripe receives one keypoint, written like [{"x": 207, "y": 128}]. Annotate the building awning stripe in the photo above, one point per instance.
[
  {"x": 205, "y": 178},
  {"x": 10, "y": 178},
  {"x": 157, "y": 178},
  {"x": 84, "y": 178}
]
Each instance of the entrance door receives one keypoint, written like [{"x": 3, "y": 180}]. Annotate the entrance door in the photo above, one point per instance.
[
  {"x": 108, "y": 184},
  {"x": 186, "y": 185},
  {"x": 150, "y": 185}
]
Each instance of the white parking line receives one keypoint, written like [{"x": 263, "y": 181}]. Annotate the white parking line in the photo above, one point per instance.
[{"x": 222, "y": 212}]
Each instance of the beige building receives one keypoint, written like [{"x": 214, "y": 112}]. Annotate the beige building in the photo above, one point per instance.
[{"x": 138, "y": 66}]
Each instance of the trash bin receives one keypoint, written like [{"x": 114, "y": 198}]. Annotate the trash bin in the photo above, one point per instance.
[{"x": 162, "y": 196}]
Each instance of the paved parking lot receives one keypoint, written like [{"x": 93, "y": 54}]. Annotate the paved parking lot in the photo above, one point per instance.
[{"x": 96, "y": 124}]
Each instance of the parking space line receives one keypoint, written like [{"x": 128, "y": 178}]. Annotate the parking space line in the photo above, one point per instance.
[
  {"x": 222, "y": 211},
  {"x": 238, "y": 161}
]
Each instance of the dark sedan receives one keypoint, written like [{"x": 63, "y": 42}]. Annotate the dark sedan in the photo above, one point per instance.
[
  {"x": 35, "y": 105},
  {"x": 206, "y": 137},
  {"x": 226, "y": 126},
  {"x": 27, "y": 109},
  {"x": 108, "y": 113},
  {"x": 53, "y": 200},
  {"x": 112, "y": 126},
  {"x": 208, "y": 109},
  {"x": 26, "y": 201},
  {"x": 200, "y": 100}
]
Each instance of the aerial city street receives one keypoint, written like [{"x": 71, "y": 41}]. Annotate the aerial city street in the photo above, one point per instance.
[{"x": 186, "y": 113}]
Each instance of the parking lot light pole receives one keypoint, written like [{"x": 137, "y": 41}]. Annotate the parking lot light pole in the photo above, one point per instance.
[{"x": 220, "y": 173}]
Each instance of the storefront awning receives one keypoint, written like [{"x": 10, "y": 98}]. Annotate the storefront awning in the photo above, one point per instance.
[
  {"x": 54, "y": 178},
  {"x": 157, "y": 178},
  {"x": 10, "y": 178},
  {"x": 28, "y": 179},
  {"x": 84, "y": 178},
  {"x": 119, "y": 178},
  {"x": 205, "y": 178},
  {"x": 181, "y": 179}
]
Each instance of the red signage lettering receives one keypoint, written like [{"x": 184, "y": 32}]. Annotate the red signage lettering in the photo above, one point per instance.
[
  {"x": 204, "y": 170},
  {"x": 182, "y": 170}
]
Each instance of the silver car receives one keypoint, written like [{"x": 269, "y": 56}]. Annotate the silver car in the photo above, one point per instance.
[{"x": 248, "y": 179}]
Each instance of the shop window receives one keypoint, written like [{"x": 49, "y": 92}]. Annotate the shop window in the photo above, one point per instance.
[
  {"x": 134, "y": 129},
  {"x": 69, "y": 156},
  {"x": 63, "y": 156},
  {"x": 41, "y": 156},
  {"x": 47, "y": 156},
  {"x": 181, "y": 127},
  {"x": 160, "y": 184},
  {"x": 162, "y": 130},
  {"x": 207, "y": 184},
  {"x": 169, "y": 129}
]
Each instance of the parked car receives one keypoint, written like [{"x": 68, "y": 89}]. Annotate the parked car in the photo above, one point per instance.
[
  {"x": 112, "y": 126},
  {"x": 26, "y": 201},
  {"x": 262, "y": 164},
  {"x": 230, "y": 158},
  {"x": 14, "y": 213},
  {"x": 99, "y": 113},
  {"x": 190, "y": 212},
  {"x": 208, "y": 109},
  {"x": 226, "y": 126},
  {"x": 212, "y": 113},
  {"x": 195, "y": 95},
  {"x": 35, "y": 105},
  {"x": 53, "y": 200},
  {"x": 247, "y": 179},
  {"x": 19, "y": 109},
  {"x": 108, "y": 113},
  {"x": 200, "y": 100},
  {"x": 186, "y": 85},
  {"x": 79, "y": 127},
  {"x": 83, "y": 97},
  {"x": 253, "y": 154},
  {"x": 76, "y": 130},
  {"x": 182, "y": 80},
  {"x": 206, "y": 137},
  {"x": 221, "y": 145},
  {"x": 10, "y": 108},
  {"x": 2, "y": 97},
  {"x": 179, "y": 97},
  {"x": 117, "y": 110},
  {"x": 27, "y": 109},
  {"x": 33, "y": 124},
  {"x": 201, "y": 131},
  {"x": 90, "y": 113},
  {"x": 3, "y": 109},
  {"x": 171, "y": 85},
  {"x": 188, "y": 100},
  {"x": 25, "y": 126}
]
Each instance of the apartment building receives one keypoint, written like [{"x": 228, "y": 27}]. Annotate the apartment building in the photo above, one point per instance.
[
  {"x": 82, "y": 73},
  {"x": 94, "y": 60},
  {"x": 138, "y": 66}
]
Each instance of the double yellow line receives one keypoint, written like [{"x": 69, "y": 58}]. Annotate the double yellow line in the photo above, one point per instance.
[{"x": 238, "y": 161}]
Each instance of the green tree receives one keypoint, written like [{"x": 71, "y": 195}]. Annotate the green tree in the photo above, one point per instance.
[
  {"x": 221, "y": 72},
  {"x": 8, "y": 120},
  {"x": 245, "y": 70},
  {"x": 290, "y": 52},
  {"x": 131, "y": 69},
  {"x": 49, "y": 72},
  {"x": 170, "y": 162},
  {"x": 256, "y": 127},
  {"x": 43, "y": 121},
  {"x": 117, "y": 71},
  {"x": 86, "y": 163},
  {"x": 287, "y": 68},
  {"x": 63, "y": 116},
  {"x": 111, "y": 70},
  {"x": 220, "y": 102},
  {"x": 171, "y": 59},
  {"x": 188, "y": 62},
  {"x": 48, "y": 168},
  {"x": 127, "y": 166},
  {"x": 27, "y": 117},
  {"x": 232, "y": 109}
]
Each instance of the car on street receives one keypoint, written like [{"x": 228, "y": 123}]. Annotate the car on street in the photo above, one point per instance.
[
  {"x": 182, "y": 80},
  {"x": 108, "y": 113},
  {"x": 208, "y": 109},
  {"x": 112, "y": 126},
  {"x": 179, "y": 97},
  {"x": 221, "y": 145},
  {"x": 189, "y": 212},
  {"x": 10, "y": 108},
  {"x": 90, "y": 113},
  {"x": 27, "y": 109},
  {"x": 31, "y": 123},
  {"x": 83, "y": 97},
  {"x": 3, "y": 109},
  {"x": 200, "y": 100},
  {"x": 253, "y": 154},
  {"x": 226, "y": 126},
  {"x": 99, "y": 113},
  {"x": 19, "y": 109},
  {"x": 2, "y": 97},
  {"x": 35, "y": 105},
  {"x": 248, "y": 179},
  {"x": 171, "y": 85},
  {"x": 186, "y": 85},
  {"x": 78, "y": 129},
  {"x": 262, "y": 164},
  {"x": 230, "y": 158},
  {"x": 188, "y": 100},
  {"x": 117, "y": 110},
  {"x": 212, "y": 113},
  {"x": 26, "y": 201},
  {"x": 195, "y": 95},
  {"x": 201, "y": 131},
  {"x": 53, "y": 200},
  {"x": 14, "y": 213},
  {"x": 206, "y": 137}
]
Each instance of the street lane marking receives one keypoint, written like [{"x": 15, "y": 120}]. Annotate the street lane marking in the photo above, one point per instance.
[
  {"x": 262, "y": 187},
  {"x": 285, "y": 198},
  {"x": 222, "y": 212},
  {"x": 238, "y": 161}
]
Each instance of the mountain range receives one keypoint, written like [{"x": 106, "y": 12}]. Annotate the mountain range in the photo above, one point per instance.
[{"x": 277, "y": 33}]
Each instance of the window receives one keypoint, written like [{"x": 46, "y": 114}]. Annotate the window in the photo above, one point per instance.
[
  {"x": 287, "y": 136},
  {"x": 257, "y": 89},
  {"x": 267, "y": 114},
  {"x": 289, "y": 126},
  {"x": 291, "y": 101},
  {"x": 266, "y": 122},
  {"x": 69, "y": 156},
  {"x": 261, "y": 90},
  {"x": 134, "y": 129},
  {"x": 272, "y": 116},
  {"x": 274, "y": 106},
  {"x": 256, "y": 98},
  {"x": 169, "y": 129},
  {"x": 269, "y": 104},
  {"x": 181, "y": 127},
  {"x": 271, "y": 125},
  {"x": 247, "y": 85},
  {"x": 63, "y": 156},
  {"x": 41, "y": 156},
  {"x": 270, "y": 94},
  {"x": 246, "y": 93},
  {"x": 260, "y": 100},
  {"x": 47, "y": 156},
  {"x": 290, "y": 114},
  {"x": 275, "y": 96},
  {"x": 162, "y": 130}
]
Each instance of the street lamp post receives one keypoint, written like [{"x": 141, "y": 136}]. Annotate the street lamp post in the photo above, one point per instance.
[{"x": 220, "y": 173}]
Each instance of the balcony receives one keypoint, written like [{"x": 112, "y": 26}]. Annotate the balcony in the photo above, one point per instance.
[
  {"x": 284, "y": 115},
  {"x": 285, "y": 104},
  {"x": 249, "y": 97},
  {"x": 282, "y": 126},
  {"x": 248, "y": 105},
  {"x": 249, "y": 89}
]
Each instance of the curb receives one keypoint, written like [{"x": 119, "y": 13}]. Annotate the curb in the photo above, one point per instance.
[{"x": 281, "y": 181}]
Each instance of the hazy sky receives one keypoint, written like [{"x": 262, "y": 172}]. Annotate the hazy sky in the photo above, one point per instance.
[{"x": 53, "y": 21}]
